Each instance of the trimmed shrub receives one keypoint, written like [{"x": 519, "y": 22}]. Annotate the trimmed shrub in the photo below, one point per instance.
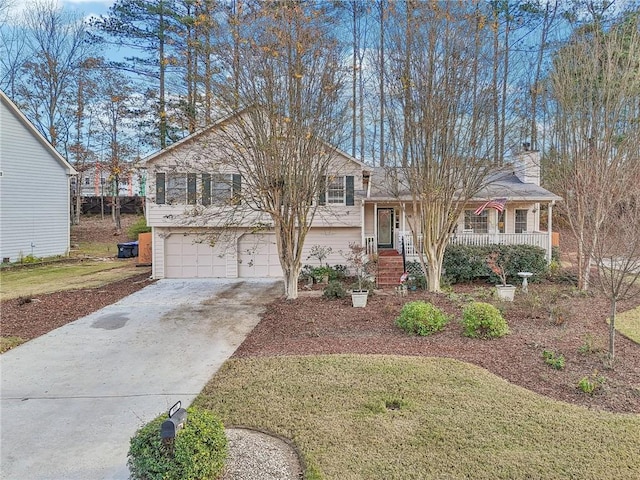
[
  {"x": 199, "y": 451},
  {"x": 421, "y": 318},
  {"x": 139, "y": 227},
  {"x": 334, "y": 289},
  {"x": 463, "y": 263},
  {"x": 338, "y": 272},
  {"x": 483, "y": 320}
]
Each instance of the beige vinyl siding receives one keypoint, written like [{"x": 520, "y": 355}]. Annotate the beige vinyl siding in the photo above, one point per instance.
[
  {"x": 336, "y": 238},
  {"x": 533, "y": 218},
  {"x": 157, "y": 252}
]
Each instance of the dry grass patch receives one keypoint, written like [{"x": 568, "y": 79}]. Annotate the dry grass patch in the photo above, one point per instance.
[
  {"x": 38, "y": 280},
  {"x": 7, "y": 343},
  {"x": 389, "y": 417},
  {"x": 628, "y": 323},
  {"x": 96, "y": 249}
]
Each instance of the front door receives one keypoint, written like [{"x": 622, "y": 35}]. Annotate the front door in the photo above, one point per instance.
[{"x": 385, "y": 227}]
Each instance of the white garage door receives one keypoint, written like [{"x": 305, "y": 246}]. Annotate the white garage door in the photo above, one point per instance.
[
  {"x": 192, "y": 256},
  {"x": 258, "y": 256}
]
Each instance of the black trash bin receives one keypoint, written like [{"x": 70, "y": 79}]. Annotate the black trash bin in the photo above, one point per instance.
[{"x": 128, "y": 249}]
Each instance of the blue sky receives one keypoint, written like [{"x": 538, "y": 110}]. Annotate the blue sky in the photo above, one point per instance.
[{"x": 87, "y": 7}]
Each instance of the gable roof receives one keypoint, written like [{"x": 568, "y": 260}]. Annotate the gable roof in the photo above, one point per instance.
[
  {"x": 500, "y": 184},
  {"x": 36, "y": 134},
  {"x": 195, "y": 135},
  {"x": 507, "y": 184}
]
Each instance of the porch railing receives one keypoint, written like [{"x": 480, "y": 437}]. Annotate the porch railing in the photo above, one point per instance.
[
  {"x": 410, "y": 249},
  {"x": 370, "y": 245},
  {"x": 538, "y": 239}
]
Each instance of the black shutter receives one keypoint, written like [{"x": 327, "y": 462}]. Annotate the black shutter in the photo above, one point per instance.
[
  {"x": 206, "y": 189},
  {"x": 160, "y": 188},
  {"x": 191, "y": 188},
  {"x": 349, "y": 197},
  {"x": 322, "y": 193},
  {"x": 237, "y": 187}
]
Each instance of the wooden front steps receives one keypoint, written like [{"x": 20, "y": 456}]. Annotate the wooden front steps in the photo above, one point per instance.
[{"x": 390, "y": 268}]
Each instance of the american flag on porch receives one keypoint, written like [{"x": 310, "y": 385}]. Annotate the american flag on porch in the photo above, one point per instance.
[{"x": 497, "y": 203}]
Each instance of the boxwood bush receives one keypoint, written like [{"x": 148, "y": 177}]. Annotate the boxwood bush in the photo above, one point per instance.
[
  {"x": 483, "y": 320},
  {"x": 335, "y": 289},
  {"x": 199, "y": 450},
  {"x": 464, "y": 263},
  {"x": 421, "y": 318}
]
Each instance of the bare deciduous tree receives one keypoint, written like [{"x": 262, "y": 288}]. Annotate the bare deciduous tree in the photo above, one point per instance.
[
  {"x": 596, "y": 89},
  {"x": 56, "y": 42},
  {"x": 115, "y": 118},
  {"x": 617, "y": 257},
  {"x": 13, "y": 51},
  {"x": 290, "y": 81},
  {"x": 441, "y": 118}
]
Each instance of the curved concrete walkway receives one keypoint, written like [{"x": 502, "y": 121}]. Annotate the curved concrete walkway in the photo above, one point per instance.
[{"x": 72, "y": 399}]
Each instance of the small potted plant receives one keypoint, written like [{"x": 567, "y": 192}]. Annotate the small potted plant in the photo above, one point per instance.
[
  {"x": 358, "y": 262},
  {"x": 504, "y": 291},
  {"x": 320, "y": 252}
]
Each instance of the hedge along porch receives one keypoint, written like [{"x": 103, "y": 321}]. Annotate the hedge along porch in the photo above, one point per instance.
[{"x": 387, "y": 219}]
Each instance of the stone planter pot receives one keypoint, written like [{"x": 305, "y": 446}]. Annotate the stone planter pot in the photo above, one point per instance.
[
  {"x": 359, "y": 298},
  {"x": 506, "y": 292}
]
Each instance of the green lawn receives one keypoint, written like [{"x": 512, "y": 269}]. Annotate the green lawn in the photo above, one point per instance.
[
  {"x": 385, "y": 417},
  {"x": 48, "y": 278},
  {"x": 628, "y": 323}
]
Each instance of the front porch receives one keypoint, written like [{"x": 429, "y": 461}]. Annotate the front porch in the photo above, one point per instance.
[
  {"x": 386, "y": 227},
  {"x": 411, "y": 250}
]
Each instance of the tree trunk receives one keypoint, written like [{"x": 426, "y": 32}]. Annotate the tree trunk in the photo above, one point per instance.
[
  {"x": 162, "y": 67},
  {"x": 354, "y": 80},
  {"x": 434, "y": 270},
  {"x": 433, "y": 267},
  {"x": 382, "y": 91},
  {"x": 612, "y": 331},
  {"x": 291, "y": 285},
  {"x": 78, "y": 209}
]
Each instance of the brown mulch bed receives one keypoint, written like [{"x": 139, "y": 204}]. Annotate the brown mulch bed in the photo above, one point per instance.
[
  {"x": 553, "y": 317},
  {"x": 47, "y": 312},
  {"x": 44, "y": 313},
  {"x": 312, "y": 325}
]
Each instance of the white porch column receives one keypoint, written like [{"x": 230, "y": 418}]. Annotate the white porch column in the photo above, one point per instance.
[
  {"x": 375, "y": 226},
  {"x": 550, "y": 232},
  {"x": 362, "y": 226},
  {"x": 404, "y": 220}
]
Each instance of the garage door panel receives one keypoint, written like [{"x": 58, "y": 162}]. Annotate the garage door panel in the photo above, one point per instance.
[
  {"x": 191, "y": 256},
  {"x": 258, "y": 256}
]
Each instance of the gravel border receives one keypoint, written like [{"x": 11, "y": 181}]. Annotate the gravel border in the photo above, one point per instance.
[{"x": 256, "y": 455}]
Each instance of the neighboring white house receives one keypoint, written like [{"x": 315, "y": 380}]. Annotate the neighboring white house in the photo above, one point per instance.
[
  {"x": 34, "y": 190},
  {"x": 354, "y": 208}
]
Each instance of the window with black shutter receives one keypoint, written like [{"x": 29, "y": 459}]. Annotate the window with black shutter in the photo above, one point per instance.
[
  {"x": 206, "y": 189},
  {"x": 160, "y": 188},
  {"x": 191, "y": 188}
]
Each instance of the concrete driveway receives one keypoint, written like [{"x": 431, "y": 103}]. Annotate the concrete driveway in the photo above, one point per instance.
[{"x": 72, "y": 399}]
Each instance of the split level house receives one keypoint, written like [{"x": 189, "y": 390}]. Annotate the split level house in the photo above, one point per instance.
[
  {"x": 354, "y": 208},
  {"x": 34, "y": 190}
]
